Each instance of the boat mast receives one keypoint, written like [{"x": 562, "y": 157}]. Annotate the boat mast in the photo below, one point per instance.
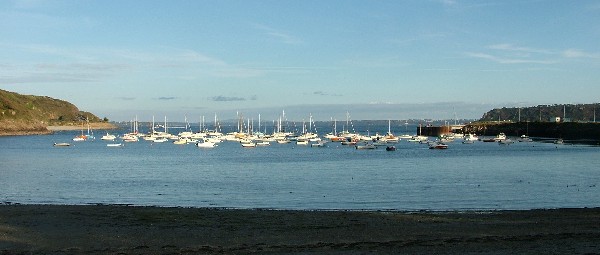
[
  {"x": 333, "y": 127},
  {"x": 152, "y": 124},
  {"x": 310, "y": 123},
  {"x": 166, "y": 124}
]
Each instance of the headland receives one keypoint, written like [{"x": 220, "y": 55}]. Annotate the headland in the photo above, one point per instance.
[{"x": 32, "y": 115}]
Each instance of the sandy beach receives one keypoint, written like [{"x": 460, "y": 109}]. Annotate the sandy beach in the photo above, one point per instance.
[
  {"x": 106, "y": 229},
  {"x": 101, "y": 126}
]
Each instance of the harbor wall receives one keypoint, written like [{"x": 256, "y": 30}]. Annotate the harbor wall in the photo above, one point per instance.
[
  {"x": 434, "y": 130},
  {"x": 565, "y": 130}
]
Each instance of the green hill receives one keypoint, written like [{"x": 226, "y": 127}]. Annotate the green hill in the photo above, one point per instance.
[{"x": 27, "y": 114}]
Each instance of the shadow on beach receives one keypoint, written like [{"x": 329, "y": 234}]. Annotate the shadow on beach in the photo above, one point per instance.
[{"x": 106, "y": 229}]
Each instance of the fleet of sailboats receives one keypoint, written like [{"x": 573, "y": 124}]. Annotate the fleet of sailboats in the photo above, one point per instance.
[{"x": 250, "y": 137}]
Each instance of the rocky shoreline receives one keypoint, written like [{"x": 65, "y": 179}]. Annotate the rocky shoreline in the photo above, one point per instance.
[{"x": 113, "y": 229}]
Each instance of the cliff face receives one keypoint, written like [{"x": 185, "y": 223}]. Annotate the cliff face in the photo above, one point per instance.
[{"x": 26, "y": 114}]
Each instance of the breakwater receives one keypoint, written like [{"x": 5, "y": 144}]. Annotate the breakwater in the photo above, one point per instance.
[{"x": 565, "y": 130}]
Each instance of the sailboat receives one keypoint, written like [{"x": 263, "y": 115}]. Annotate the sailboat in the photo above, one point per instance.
[
  {"x": 90, "y": 132},
  {"x": 133, "y": 135},
  {"x": 346, "y": 133},
  {"x": 82, "y": 137},
  {"x": 389, "y": 137}
]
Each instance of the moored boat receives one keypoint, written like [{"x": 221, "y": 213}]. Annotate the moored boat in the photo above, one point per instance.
[
  {"x": 79, "y": 138},
  {"x": 439, "y": 146},
  {"x": 470, "y": 137},
  {"x": 365, "y": 147},
  {"x": 248, "y": 145},
  {"x": 500, "y": 137},
  {"x": 302, "y": 142},
  {"x": 160, "y": 140},
  {"x": 263, "y": 143},
  {"x": 319, "y": 144},
  {"x": 525, "y": 139},
  {"x": 108, "y": 137},
  {"x": 206, "y": 144}
]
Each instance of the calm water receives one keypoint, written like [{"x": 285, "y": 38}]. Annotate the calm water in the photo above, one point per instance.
[{"x": 465, "y": 176}]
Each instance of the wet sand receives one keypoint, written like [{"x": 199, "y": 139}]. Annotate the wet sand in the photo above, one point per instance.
[{"x": 105, "y": 229}]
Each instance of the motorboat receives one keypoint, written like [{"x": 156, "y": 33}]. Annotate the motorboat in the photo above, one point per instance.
[
  {"x": 206, "y": 144},
  {"x": 61, "y": 144},
  {"x": 302, "y": 142},
  {"x": 114, "y": 145},
  {"x": 470, "y": 137},
  {"x": 439, "y": 146},
  {"x": 405, "y": 136},
  {"x": 108, "y": 137},
  {"x": 319, "y": 144},
  {"x": 418, "y": 138},
  {"x": 180, "y": 141},
  {"x": 488, "y": 140},
  {"x": 160, "y": 140},
  {"x": 338, "y": 139},
  {"x": 365, "y": 147},
  {"x": 500, "y": 137},
  {"x": 506, "y": 141},
  {"x": 524, "y": 138},
  {"x": 390, "y": 148},
  {"x": 248, "y": 145},
  {"x": 263, "y": 143}
]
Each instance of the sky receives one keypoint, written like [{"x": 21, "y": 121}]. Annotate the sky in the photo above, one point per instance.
[{"x": 385, "y": 59}]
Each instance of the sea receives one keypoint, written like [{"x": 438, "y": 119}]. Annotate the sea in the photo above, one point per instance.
[{"x": 479, "y": 176}]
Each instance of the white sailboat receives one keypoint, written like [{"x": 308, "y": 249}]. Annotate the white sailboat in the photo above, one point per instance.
[
  {"x": 82, "y": 137},
  {"x": 108, "y": 137},
  {"x": 390, "y": 137}
]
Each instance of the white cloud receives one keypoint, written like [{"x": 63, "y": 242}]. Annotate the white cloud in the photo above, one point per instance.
[
  {"x": 510, "y": 47},
  {"x": 503, "y": 60},
  {"x": 29, "y": 4},
  {"x": 575, "y": 53},
  {"x": 448, "y": 2},
  {"x": 49, "y": 63},
  {"x": 278, "y": 35}
]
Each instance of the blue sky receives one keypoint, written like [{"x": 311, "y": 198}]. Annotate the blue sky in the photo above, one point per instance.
[{"x": 378, "y": 59}]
